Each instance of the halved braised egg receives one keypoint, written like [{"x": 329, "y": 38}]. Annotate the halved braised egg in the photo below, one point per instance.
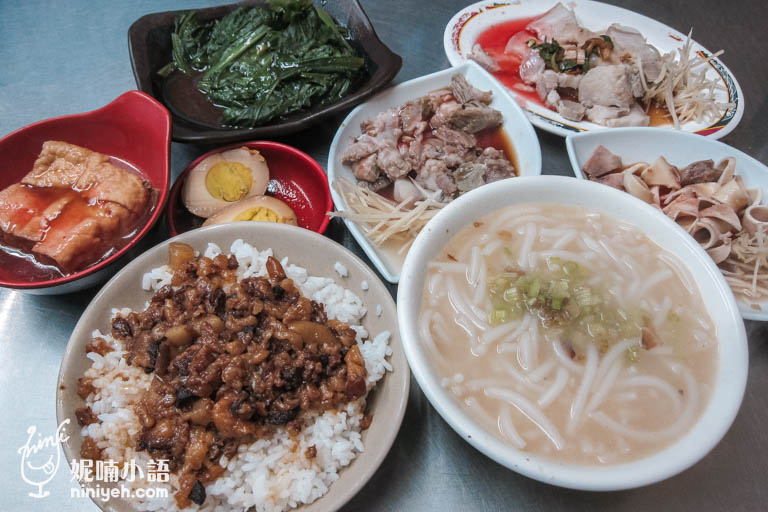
[
  {"x": 224, "y": 178},
  {"x": 259, "y": 208}
]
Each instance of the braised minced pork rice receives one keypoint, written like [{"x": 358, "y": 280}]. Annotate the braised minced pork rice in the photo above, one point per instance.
[{"x": 271, "y": 474}]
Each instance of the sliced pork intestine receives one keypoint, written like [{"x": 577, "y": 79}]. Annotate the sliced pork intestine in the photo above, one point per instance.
[
  {"x": 688, "y": 207},
  {"x": 662, "y": 173},
  {"x": 728, "y": 165},
  {"x": 733, "y": 194},
  {"x": 637, "y": 187},
  {"x": 637, "y": 168},
  {"x": 724, "y": 213},
  {"x": 720, "y": 252},
  {"x": 755, "y": 218},
  {"x": 709, "y": 232},
  {"x": 656, "y": 194},
  {"x": 696, "y": 190}
]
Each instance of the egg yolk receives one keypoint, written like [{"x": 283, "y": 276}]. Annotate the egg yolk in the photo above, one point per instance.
[
  {"x": 260, "y": 213},
  {"x": 229, "y": 181}
]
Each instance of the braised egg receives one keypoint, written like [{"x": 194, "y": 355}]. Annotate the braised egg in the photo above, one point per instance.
[
  {"x": 259, "y": 208},
  {"x": 223, "y": 179}
]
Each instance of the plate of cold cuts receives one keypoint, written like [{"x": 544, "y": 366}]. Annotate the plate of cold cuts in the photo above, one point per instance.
[{"x": 587, "y": 66}]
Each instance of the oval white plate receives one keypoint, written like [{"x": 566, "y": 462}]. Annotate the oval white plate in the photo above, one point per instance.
[
  {"x": 464, "y": 28},
  {"x": 520, "y": 132},
  {"x": 680, "y": 149}
]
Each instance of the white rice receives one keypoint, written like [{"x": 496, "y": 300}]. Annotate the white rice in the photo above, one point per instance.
[
  {"x": 271, "y": 474},
  {"x": 341, "y": 269}
]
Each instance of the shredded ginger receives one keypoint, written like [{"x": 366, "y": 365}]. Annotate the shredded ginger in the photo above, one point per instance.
[
  {"x": 684, "y": 88},
  {"x": 383, "y": 219},
  {"x": 746, "y": 269}
]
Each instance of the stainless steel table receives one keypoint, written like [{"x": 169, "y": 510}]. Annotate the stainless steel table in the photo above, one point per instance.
[{"x": 65, "y": 57}]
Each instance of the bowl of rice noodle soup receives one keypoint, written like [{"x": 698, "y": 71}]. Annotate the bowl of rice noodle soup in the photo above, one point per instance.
[{"x": 573, "y": 334}]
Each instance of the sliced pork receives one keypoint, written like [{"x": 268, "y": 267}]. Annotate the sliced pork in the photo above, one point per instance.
[
  {"x": 601, "y": 162},
  {"x": 699, "y": 172},
  {"x": 430, "y": 140},
  {"x": 482, "y": 58},
  {"x": 559, "y": 23},
  {"x": 635, "y": 117},
  {"x": 629, "y": 41},
  {"x": 607, "y": 86}
]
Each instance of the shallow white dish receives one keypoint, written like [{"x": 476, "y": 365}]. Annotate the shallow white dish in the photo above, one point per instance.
[
  {"x": 732, "y": 356},
  {"x": 680, "y": 149},
  {"x": 519, "y": 131},
  {"x": 466, "y": 25}
]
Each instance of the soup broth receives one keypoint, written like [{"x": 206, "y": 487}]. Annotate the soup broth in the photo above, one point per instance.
[{"x": 569, "y": 334}]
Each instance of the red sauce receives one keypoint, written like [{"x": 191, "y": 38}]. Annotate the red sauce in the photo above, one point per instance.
[
  {"x": 493, "y": 40},
  {"x": 18, "y": 263}
]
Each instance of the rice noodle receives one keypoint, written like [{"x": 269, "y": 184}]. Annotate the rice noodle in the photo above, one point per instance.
[
  {"x": 461, "y": 306},
  {"x": 506, "y": 348},
  {"x": 678, "y": 270},
  {"x": 474, "y": 266},
  {"x": 612, "y": 355},
  {"x": 590, "y": 243},
  {"x": 426, "y": 334},
  {"x": 604, "y": 387},
  {"x": 543, "y": 370},
  {"x": 566, "y": 255},
  {"x": 491, "y": 247},
  {"x": 682, "y": 422},
  {"x": 501, "y": 331},
  {"x": 530, "y": 235},
  {"x": 480, "y": 286},
  {"x": 650, "y": 381},
  {"x": 590, "y": 369},
  {"x": 507, "y": 428},
  {"x": 448, "y": 267},
  {"x": 608, "y": 251},
  {"x": 524, "y": 351},
  {"x": 564, "y": 358},
  {"x": 531, "y": 411},
  {"x": 551, "y": 394},
  {"x": 652, "y": 281},
  {"x": 434, "y": 285},
  {"x": 567, "y": 238}
]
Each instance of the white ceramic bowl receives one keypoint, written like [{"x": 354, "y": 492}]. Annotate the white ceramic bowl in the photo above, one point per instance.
[
  {"x": 732, "y": 356},
  {"x": 680, "y": 149},
  {"x": 517, "y": 127}
]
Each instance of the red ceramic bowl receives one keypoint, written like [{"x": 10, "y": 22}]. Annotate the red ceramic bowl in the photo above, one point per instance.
[
  {"x": 134, "y": 128},
  {"x": 294, "y": 177}
]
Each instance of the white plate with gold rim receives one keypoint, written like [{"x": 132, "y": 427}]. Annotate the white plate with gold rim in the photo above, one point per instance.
[{"x": 468, "y": 24}]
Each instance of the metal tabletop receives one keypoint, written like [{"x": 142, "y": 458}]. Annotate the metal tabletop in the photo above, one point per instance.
[{"x": 71, "y": 56}]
